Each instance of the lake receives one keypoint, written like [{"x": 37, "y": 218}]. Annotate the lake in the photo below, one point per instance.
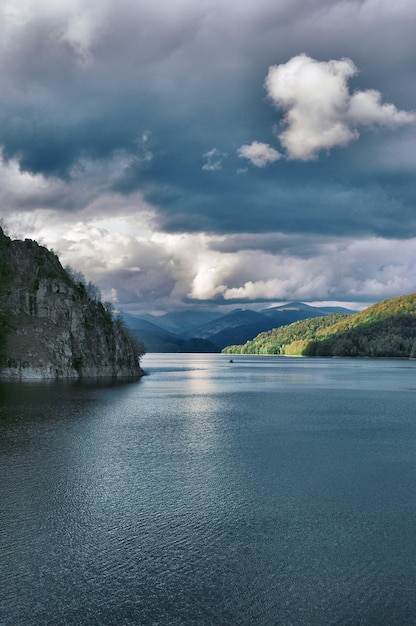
[{"x": 267, "y": 490}]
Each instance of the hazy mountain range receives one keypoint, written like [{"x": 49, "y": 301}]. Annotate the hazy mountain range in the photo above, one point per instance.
[{"x": 207, "y": 331}]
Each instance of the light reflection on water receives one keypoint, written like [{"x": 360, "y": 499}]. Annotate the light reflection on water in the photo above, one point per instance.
[
  {"x": 274, "y": 372},
  {"x": 266, "y": 491}
]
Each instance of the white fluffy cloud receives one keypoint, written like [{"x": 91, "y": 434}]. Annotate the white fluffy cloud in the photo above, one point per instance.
[
  {"x": 320, "y": 112},
  {"x": 260, "y": 154},
  {"x": 117, "y": 244},
  {"x": 342, "y": 269}
]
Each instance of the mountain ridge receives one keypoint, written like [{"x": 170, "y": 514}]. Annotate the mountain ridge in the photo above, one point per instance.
[
  {"x": 236, "y": 326},
  {"x": 387, "y": 328},
  {"x": 157, "y": 339}
]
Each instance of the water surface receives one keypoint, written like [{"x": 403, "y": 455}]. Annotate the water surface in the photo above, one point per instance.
[{"x": 269, "y": 490}]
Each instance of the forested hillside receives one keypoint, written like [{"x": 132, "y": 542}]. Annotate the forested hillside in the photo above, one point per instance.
[{"x": 386, "y": 329}]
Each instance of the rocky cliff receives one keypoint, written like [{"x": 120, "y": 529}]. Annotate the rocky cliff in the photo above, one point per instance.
[{"x": 50, "y": 327}]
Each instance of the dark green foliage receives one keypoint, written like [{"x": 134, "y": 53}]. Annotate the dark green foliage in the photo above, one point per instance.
[{"x": 391, "y": 337}]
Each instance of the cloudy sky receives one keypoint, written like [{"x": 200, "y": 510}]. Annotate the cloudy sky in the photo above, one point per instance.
[{"x": 214, "y": 153}]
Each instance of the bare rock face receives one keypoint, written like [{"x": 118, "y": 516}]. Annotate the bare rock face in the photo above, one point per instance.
[{"x": 50, "y": 327}]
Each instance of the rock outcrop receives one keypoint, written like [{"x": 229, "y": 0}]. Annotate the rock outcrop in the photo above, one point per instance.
[{"x": 50, "y": 327}]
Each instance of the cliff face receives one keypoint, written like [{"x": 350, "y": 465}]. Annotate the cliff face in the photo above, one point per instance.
[{"x": 50, "y": 327}]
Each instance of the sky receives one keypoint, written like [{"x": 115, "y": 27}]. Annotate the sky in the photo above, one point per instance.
[{"x": 214, "y": 154}]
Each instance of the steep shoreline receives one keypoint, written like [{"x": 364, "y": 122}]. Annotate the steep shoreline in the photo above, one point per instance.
[{"x": 50, "y": 327}]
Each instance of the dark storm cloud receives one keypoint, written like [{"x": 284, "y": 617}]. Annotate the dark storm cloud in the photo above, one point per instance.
[
  {"x": 296, "y": 198},
  {"x": 194, "y": 76},
  {"x": 179, "y": 112}
]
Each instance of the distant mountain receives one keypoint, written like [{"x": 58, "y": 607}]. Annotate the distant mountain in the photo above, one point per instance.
[
  {"x": 234, "y": 319},
  {"x": 157, "y": 339},
  {"x": 386, "y": 329},
  {"x": 298, "y": 309},
  {"x": 336, "y": 309},
  {"x": 181, "y": 321},
  {"x": 217, "y": 331},
  {"x": 291, "y": 312},
  {"x": 241, "y": 325},
  {"x": 236, "y": 326}
]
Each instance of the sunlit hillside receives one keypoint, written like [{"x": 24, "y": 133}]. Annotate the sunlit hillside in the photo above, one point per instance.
[{"x": 386, "y": 329}]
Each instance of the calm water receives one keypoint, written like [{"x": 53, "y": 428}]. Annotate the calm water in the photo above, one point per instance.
[{"x": 265, "y": 491}]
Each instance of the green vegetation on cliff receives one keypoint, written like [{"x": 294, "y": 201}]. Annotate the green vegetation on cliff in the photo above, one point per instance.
[
  {"x": 53, "y": 324},
  {"x": 386, "y": 329}
]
